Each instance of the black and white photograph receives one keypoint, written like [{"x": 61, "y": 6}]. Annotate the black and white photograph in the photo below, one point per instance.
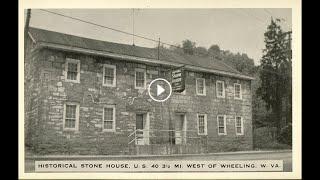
[{"x": 157, "y": 90}]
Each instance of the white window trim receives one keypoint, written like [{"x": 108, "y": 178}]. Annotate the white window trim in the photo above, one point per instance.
[
  {"x": 205, "y": 124},
  {"x": 234, "y": 87},
  {"x": 225, "y": 124},
  {"x": 114, "y": 119},
  {"x": 223, "y": 89},
  {"x": 114, "y": 75},
  {"x": 204, "y": 87},
  {"x": 135, "y": 78},
  {"x": 77, "y": 116},
  {"x": 69, "y": 60},
  {"x": 235, "y": 122}
]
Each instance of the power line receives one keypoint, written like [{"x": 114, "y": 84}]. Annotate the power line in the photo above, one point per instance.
[
  {"x": 247, "y": 15},
  {"x": 114, "y": 30},
  {"x": 262, "y": 21},
  {"x": 106, "y": 27},
  {"x": 268, "y": 12},
  {"x": 282, "y": 19},
  {"x": 117, "y": 30}
]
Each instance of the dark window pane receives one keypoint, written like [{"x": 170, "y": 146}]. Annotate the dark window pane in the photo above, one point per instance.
[
  {"x": 201, "y": 129},
  {"x": 237, "y": 91},
  {"x": 139, "y": 79},
  {"x": 239, "y": 130},
  {"x": 109, "y": 75},
  {"x": 72, "y": 71},
  {"x": 72, "y": 67},
  {"x": 200, "y": 83},
  {"x": 71, "y": 111},
  {"x": 201, "y": 123},
  {"x": 70, "y": 123},
  {"x": 238, "y": 122},
  {"x": 220, "y": 89},
  {"x": 221, "y": 121},
  {"x": 108, "y": 125},
  {"x": 221, "y": 129},
  {"x": 108, "y": 113}
]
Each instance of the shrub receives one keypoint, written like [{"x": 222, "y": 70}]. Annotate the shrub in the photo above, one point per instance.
[
  {"x": 285, "y": 136},
  {"x": 264, "y": 138}
]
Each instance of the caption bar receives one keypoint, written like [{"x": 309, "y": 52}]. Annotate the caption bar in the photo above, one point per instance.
[{"x": 141, "y": 166}]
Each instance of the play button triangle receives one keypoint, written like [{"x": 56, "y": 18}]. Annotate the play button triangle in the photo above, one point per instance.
[{"x": 160, "y": 90}]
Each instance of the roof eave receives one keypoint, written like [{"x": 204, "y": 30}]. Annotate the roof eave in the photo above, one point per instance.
[{"x": 140, "y": 59}]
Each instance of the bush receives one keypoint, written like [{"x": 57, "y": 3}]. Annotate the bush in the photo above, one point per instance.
[
  {"x": 264, "y": 138},
  {"x": 285, "y": 136}
]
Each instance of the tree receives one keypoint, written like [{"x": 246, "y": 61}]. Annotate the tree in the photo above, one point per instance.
[
  {"x": 200, "y": 51},
  {"x": 214, "y": 51},
  {"x": 275, "y": 74},
  {"x": 240, "y": 62},
  {"x": 188, "y": 46}
]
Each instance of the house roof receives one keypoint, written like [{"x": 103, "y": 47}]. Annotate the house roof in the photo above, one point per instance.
[{"x": 67, "y": 40}]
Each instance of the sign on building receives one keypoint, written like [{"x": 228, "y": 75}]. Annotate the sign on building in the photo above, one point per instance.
[{"x": 178, "y": 80}]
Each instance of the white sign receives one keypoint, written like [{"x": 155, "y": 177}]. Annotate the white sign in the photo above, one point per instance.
[{"x": 163, "y": 166}]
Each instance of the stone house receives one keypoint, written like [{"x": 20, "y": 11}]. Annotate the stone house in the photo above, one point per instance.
[{"x": 85, "y": 96}]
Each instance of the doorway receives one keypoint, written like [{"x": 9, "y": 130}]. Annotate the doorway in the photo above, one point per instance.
[
  {"x": 180, "y": 128},
  {"x": 142, "y": 129}
]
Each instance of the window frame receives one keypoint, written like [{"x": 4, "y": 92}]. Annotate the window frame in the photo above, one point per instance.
[
  {"x": 224, "y": 123},
  {"x": 234, "y": 87},
  {"x": 204, "y": 87},
  {"x": 113, "y": 120},
  {"x": 114, "y": 75},
  {"x": 135, "y": 78},
  {"x": 242, "y": 129},
  {"x": 223, "y": 89},
  {"x": 76, "y": 128},
  {"x": 205, "y": 124},
  {"x": 69, "y": 60}
]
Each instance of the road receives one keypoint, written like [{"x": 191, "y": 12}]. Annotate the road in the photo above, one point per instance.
[{"x": 286, "y": 156}]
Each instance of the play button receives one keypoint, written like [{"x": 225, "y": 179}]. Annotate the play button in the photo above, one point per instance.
[{"x": 159, "y": 90}]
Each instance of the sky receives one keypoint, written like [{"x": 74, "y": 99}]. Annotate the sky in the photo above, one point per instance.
[{"x": 236, "y": 30}]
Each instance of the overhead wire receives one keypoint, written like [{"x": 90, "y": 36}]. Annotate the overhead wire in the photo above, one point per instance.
[{"x": 117, "y": 30}]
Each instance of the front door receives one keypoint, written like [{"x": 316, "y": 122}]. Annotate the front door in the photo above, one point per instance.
[
  {"x": 180, "y": 129},
  {"x": 142, "y": 129}
]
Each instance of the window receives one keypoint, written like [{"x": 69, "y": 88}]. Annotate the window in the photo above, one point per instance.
[
  {"x": 222, "y": 129},
  {"x": 237, "y": 91},
  {"x": 109, "y": 75},
  {"x": 72, "y": 70},
  {"x": 71, "y": 116},
  {"x": 140, "y": 79},
  {"x": 239, "y": 125},
  {"x": 202, "y": 124},
  {"x": 200, "y": 86},
  {"x": 109, "y": 118},
  {"x": 220, "y": 89}
]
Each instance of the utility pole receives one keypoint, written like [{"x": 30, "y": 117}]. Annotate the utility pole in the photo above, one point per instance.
[
  {"x": 27, "y": 97},
  {"x": 133, "y": 27},
  {"x": 26, "y": 29},
  {"x": 288, "y": 114},
  {"x": 289, "y": 44},
  {"x": 159, "y": 49}
]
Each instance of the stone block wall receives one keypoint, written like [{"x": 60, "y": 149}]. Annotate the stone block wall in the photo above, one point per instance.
[{"x": 53, "y": 92}]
